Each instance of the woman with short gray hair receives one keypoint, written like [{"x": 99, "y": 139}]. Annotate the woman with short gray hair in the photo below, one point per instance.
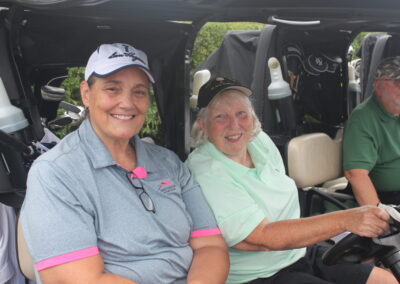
[
  {"x": 256, "y": 205},
  {"x": 198, "y": 135}
]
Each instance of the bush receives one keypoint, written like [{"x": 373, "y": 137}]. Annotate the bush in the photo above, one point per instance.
[
  {"x": 152, "y": 123},
  {"x": 71, "y": 85},
  {"x": 356, "y": 44}
]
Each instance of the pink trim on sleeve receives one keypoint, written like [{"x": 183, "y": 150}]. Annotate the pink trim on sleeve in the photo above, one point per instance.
[
  {"x": 206, "y": 233},
  {"x": 68, "y": 257}
]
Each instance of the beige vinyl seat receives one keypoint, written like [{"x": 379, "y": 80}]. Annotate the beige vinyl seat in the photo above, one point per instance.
[
  {"x": 24, "y": 257},
  {"x": 315, "y": 159}
]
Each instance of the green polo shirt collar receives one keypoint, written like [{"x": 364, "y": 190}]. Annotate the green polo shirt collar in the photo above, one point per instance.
[
  {"x": 232, "y": 166},
  {"x": 381, "y": 111}
]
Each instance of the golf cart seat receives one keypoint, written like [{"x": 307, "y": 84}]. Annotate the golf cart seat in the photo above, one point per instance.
[
  {"x": 341, "y": 182},
  {"x": 24, "y": 257},
  {"x": 315, "y": 159}
]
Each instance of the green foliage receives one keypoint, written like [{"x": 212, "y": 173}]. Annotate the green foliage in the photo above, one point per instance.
[
  {"x": 210, "y": 38},
  {"x": 152, "y": 123},
  {"x": 72, "y": 95},
  {"x": 71, "y": 85},
  {"x": 356, "y": 44}
]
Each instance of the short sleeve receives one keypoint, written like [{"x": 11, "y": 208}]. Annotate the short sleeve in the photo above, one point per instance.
[
  {"x": 203, "y": 219},
  {"x": 57, "y": 227},
  {"x": 359, "y": 146},
  {"x": 236, "y": 212}
]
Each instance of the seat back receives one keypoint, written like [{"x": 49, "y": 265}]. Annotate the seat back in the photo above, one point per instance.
[
  {"x": 24, "y": 257},
  {"x": 314, "y": 159}
]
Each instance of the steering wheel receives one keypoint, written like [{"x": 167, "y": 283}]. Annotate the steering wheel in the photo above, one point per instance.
[
  {"x": 355, "y": 249},
  {"x": 350, "y": 249}
]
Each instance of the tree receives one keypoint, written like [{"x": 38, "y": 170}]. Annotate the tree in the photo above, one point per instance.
[{"x": 356, "y": 44}]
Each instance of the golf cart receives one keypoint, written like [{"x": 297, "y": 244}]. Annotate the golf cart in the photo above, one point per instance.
[{"x": 40, "y": 39}]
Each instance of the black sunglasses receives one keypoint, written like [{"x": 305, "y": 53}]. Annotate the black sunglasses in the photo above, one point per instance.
[{"x": 144, "y": 197}]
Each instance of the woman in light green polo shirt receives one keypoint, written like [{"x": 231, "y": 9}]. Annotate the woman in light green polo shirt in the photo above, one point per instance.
[{"x": 256, "y": 205}]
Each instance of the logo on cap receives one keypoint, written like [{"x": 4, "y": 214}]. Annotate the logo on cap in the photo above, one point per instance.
[
  {"x": 127, "y": 53},
  {"x": 110, "y": 58},
  {"x": 214, "y": 86}
]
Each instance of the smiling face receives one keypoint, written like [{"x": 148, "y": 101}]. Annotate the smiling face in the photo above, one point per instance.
[
  {"x": 229, "y": 124},
  {"x": 388, "y": 94},
  {"x": 117, "y": 104}
]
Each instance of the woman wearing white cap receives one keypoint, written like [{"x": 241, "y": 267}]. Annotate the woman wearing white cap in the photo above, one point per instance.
[{"x": 105, "y": 207}]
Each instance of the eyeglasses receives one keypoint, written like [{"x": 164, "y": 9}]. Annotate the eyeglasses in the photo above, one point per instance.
[{"x": 144, "y": 197}]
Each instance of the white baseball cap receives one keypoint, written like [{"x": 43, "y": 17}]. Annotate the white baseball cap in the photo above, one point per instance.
[{"x": 110, "y": 58}]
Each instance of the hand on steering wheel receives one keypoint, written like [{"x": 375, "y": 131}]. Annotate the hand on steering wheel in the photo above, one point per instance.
[{"x": 354, "y": 248}]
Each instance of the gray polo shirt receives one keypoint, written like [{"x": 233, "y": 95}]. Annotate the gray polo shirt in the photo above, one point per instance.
[{"x": 80, "y": 203}]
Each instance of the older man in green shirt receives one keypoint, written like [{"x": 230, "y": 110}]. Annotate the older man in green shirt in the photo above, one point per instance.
[{"x": 371, "y": 146}]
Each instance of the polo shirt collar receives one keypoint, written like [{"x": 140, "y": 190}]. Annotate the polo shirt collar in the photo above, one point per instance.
[
  {"x": 382, "y": 112},
  {"x": 94, "y": 147},
  {"x": 236, "y": 168},
  {"x": 142, "y": 155},
  {"x": 101, "y": 157}
]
